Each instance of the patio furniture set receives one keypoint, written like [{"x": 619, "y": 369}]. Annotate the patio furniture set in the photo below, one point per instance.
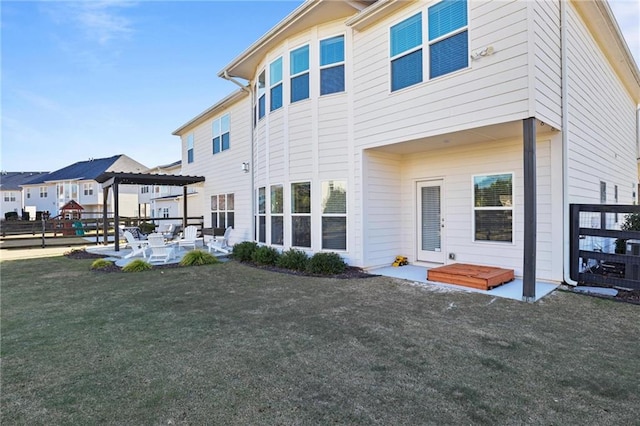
[{"x": 163, "y": 247}]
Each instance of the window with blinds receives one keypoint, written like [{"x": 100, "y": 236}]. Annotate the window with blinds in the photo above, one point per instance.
[
  {"x": 406, "y": 53},
  {"x": 448, "y": 37},
  {"x": 275, "y": 83},
  {"x": 334, "y": 215},
  {"x": 493, "y": 207},
  {"x": 299, "y": 72},
  {"x": 431, "y": 211},
  {"x": 332, "y": 65}
]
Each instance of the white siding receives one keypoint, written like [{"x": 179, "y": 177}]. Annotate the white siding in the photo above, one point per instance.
[
  {"x": 602, "y": 122},
  {"x": 222, "y": 171},
  {"x": 390, "y": 228},
  {"x": 494, "y": 89},
  {"x": 548, "y": 81}
]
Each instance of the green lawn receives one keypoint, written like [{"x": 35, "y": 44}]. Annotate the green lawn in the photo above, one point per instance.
[{"x": 230, "y": 344}]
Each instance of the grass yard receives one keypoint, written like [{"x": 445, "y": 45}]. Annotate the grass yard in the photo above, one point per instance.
[{"x": 229, "y": 344}]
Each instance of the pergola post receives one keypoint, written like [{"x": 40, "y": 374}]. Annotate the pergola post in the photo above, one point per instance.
[
  {"x": 105, "y": 220},
  {"x": 116, "y": 217},
  {"x": 530, "y": 215},
  {"x": 184, "y": 207}
]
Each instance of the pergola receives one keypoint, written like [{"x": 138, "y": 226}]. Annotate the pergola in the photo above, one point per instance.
[{"x": 114, "y": 179}]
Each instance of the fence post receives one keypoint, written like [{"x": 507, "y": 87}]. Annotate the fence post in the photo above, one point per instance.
[{"x": 44, "y": 225}]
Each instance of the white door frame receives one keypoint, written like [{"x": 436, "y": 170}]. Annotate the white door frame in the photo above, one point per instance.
[{"x": 437, "y": 254}]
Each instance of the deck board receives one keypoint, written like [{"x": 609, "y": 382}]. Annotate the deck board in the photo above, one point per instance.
[{"x": 474, "y": 276}]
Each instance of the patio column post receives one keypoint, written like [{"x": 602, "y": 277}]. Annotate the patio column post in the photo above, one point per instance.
[
  {"x": 184, "y": 206},
  {"x": 116, "y": 216},
  {"x": 105, "y": 218},
  {"x": 530, "y": 215}
]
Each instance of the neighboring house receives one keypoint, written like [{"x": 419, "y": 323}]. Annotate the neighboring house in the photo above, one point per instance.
[
  {"x": 76, "y": 182},
  {"x": 12, "y": 199},
  {"x": 161, "y": 201},
  {"x": 425, "y": 129}
]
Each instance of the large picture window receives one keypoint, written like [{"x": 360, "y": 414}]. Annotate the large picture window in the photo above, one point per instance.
[
  {"x": 493, "y": 207},
  {"x": 301, "y": 214},
  {"x": 332, "y": 65},
  {"x": 275, "y": 82},
  {"x": 406, "y": 52},
  {"x": 299, "y": 71},
  {"x": 222, "y": 211},
  {"x": 221, "y": 134},
  {"x": 277, "y": 210},
  {"x": 334, "y": 215}
]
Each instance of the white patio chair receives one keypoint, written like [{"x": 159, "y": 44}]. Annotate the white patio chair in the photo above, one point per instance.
[
  {"x": 221, "y": 242},
  {"x": 137, "y": 246},
  {"x": 159, "y": 249},
  {"x": 189, "y": 237}
]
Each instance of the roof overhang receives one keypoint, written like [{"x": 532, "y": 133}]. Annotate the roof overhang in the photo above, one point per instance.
[
  {"x": 108, "y": 179},
  {"x": 307, "y": 15},
  {"x": 601, "y": 23},
  {"x": 375, "y": 12},
  {"x": 212, "y": 111}
]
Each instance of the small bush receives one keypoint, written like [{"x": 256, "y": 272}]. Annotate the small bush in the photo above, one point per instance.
[
  {"x": 326, "y": 264},
  {"x": 197, "y": 258},
  {"x": 147, "y": 227},
  {"x": 293, "y": 259},
  {"x": 244, "y": 251},
  {"x": 99, "y": 264},
  {"x": 265, "y": 255},
  {"x": 137, "y": 265}
]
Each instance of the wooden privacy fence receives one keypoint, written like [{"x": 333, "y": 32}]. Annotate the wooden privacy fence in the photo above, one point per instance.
[{"x": 594, "y": 237}]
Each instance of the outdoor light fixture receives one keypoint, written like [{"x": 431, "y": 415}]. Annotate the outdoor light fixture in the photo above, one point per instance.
[{"x": 245, "y": 167}]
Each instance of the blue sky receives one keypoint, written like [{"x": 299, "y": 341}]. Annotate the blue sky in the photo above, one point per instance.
[{"x": 98, "y": 78}]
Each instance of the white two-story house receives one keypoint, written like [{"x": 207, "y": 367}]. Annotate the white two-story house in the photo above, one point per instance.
[
  {"x": 445, "y": 131},
  {"x": 51, "y": 191}
]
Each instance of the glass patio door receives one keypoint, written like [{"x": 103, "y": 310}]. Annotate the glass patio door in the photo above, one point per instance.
[{"x": 430, "y": 221}]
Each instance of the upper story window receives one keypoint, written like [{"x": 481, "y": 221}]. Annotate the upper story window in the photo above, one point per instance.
[
  {"x": 221, "y": 134},
  {"x": 10, "y": 196},
  {"x": 190, "y": 148},
  {"x": 406, "y": 53},
  {"x": 261, "y": 91},
  {"x": 448, "y": 37},
  {"x": 299, "y": 71},
  {"x": 275, "y": 83},
  {"x": 448, "y": 44},
  {"x": 28, "y": 192},
  {"x": 87, "y": 189},
  {"x": 43, "y": 192},
  {"x": 332, "y": 65}
]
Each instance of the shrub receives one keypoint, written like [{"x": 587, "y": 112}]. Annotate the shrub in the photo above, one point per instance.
[
  {"x": 244, "y": 251},
  {"x": 147, "y": 227},
  {"x": 326, "y": 264},
  {"x": 99, "y": 264},
  {"x": 265, "y": 255},
  {"x": 293, "y": 259},
  {"x": 631, "y": 223},
  {"x": 137, "y": 265},
  {"x": 197, "y": 258}
]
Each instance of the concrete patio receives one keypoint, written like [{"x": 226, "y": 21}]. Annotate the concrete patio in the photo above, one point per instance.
[
  {"x": 418, "y": 275},
  {"x": 119, "y": 257}
]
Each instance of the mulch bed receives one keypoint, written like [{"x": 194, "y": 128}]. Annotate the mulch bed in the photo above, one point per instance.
[{"x": 350, "y": 272}]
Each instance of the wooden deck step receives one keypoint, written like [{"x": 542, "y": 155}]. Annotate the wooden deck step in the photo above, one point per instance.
[{"x": 474, "y": 276}]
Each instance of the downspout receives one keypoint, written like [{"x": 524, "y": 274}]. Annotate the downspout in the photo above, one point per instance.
[
  {"x": 565, "y": 146},
  {"x": 249, "y": 90}
]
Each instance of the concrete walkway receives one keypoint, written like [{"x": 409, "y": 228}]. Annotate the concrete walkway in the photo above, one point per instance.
[{"x": 32, "y": 253}]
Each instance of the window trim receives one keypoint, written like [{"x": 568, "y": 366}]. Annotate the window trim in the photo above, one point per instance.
[
  {"x": 190, "y": 148},
  {"x": 274, "y": 85},
  {"x": 393, "y": 58},
  {"x": 442, "y": 38},
  {"x": 272, "y": 214},
  {"x": 306, "y": 71},
  {"x": 493, "y": 208},
  {"x": 345, "y": 214},
  {"x": 220, "y": 135},
  {"x": 218, "y": 211},
  {"x": 293, "y": 214},
  {"x": 333, "y": 64}
]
